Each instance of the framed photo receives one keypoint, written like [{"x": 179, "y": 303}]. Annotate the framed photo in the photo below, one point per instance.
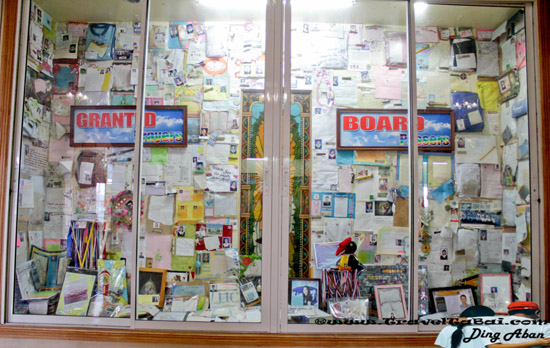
[
  {"x": 508, "y": 85},
  {"x": 452, "y": 300},
  {"x": 114, "y": 126},
  {"x": 382, "y": 129},
  {"x": 152, "y": 282},
  {"x": 304, "y": 292},
  {"x": 496, "y": 291},
  {"x": 390, "y": 301}
]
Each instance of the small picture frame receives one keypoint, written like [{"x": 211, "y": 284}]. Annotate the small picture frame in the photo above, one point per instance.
[
  {"x": 304, "y": 292},
  {"x": 152, "y": 283},
  {"x": 508, "y": 85},
  {"x": 390, "y": 302},
  {"x": 496, "y": 291},
  {"x": 453, "y": 299}
]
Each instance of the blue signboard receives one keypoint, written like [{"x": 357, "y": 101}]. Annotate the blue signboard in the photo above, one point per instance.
[
  {"x": 361, "y": 129},
  {"x": 93, "y": 126}
]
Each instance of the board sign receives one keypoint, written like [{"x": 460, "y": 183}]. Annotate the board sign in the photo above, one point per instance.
[
  {"x": 361, "y": 129},
  {"x": 114, "y": 126}
]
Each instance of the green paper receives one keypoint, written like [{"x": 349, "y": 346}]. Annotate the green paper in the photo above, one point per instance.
[
  {"x": 53, "y": 247},
  {"x": 183, "y": 263},
  {"x": 158, "y": 155}
]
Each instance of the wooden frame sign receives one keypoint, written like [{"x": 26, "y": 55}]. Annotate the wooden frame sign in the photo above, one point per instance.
[
  {"x": 362, "y": 129},
  {"x": 114, "y": 126}
]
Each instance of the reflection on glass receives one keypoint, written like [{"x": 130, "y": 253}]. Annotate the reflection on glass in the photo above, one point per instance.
[
  {"x": 74, "y": 211},
  {"x": 201, "y": 231},
  {"x": 475, "y": 215},
  {"x": 349, "y": 182}
]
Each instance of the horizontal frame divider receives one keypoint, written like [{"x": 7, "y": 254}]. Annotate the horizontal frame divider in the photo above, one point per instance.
[{"x": 217, "y": 338}]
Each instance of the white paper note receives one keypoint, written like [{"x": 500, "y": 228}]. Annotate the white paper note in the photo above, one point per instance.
[
  {"x": 161, "y": 209},
  {"x": 185, "y": 246}
]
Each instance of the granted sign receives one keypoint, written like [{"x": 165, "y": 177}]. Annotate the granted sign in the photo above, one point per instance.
[
  {"x": 114, "y": 126},
  {"x": 387, "y": 129}
]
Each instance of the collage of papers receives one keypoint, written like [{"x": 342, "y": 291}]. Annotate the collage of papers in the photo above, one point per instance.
[
  {"x": 475, "y": 198},
  {"x": 75, "y": 204}
]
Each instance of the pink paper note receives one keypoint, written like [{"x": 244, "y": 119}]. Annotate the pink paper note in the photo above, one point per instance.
[
  {"x": 388, "y": 83},
  {"x": 158, "y": 246}
]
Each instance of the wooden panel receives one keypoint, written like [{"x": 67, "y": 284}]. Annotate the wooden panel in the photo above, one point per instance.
[
  {"x": 7, "y": 63},
  {"x": 220, "y": 339},
  {"x": 544, "y": 76}
]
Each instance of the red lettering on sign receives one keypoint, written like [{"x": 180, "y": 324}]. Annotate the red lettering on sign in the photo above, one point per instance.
[
  {"x": 105, "y": 120},
  {"x": 384, "y": 123},
  {"x": 94, "y": 120},
  {"x": 400, "y": 123},
  {"x": 420, "y": 123},
  {"x": 118, "y": 119},
  {"x": 368, "y": 123},
  {"x": 350, "y": 123},
  {"x": 150, "y": 119},
  {"x": 129, "y": 116},
  {"x": 81, "y": 120}
]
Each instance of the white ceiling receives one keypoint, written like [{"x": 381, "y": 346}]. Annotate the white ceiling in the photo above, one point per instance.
[{"x": 363, "y": 12}]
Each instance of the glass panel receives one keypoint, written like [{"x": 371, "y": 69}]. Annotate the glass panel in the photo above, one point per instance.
[
  {"x": 475, "y": 196},
  {"x": 200, "y": 245},
  {"x": 349, "y": 178},
  {"x": 76, "y": 161}
]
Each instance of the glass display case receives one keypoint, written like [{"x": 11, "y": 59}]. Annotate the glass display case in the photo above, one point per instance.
[{"x": 272, "y": 166}]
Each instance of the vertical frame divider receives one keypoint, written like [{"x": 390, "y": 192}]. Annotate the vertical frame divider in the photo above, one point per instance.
[
  {"x": 271, "y": 151},
  {"x": 13, "y": 180},
  {"x": 535, "y": 158},
  {"x": 413, "y": 165},
  {"x": 138, "y": 148},
  {"x": 284, "y": 168}
]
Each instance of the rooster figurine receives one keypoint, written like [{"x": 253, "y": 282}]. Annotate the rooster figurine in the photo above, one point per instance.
[{"x": 347, "y": 260}]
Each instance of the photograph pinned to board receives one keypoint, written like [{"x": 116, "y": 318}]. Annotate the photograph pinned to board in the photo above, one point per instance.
[
  {"x": 481, "y": 212},
  {"x": 383, "y": 208}
]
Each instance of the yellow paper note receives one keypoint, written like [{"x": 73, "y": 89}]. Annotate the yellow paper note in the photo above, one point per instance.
[
  {"x": 189, "y": 204},
  {"x": 371, "y": 156},
  {"x": 214, "y": 93},
  {"x": 106, "y": 86},
  {"x": 488, "y": 93},
  {"x": 439, "y": 170}
]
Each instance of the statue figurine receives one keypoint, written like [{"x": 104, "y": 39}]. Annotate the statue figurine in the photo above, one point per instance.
[{"x": 347, "y": 260}]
